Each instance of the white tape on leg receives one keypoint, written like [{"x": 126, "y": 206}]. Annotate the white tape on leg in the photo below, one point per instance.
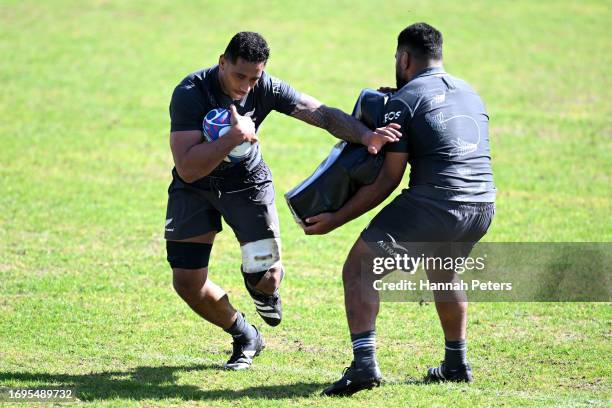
[{"x": 260, "y": 255}]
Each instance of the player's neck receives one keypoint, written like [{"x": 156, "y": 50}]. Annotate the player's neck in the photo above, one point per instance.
[
  {"x": 419, "y": 67},
  {"x": 433, "y": 64}
]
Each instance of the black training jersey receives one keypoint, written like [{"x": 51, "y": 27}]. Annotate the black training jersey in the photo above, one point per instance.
[
  {"x": 200, "y": 92},
  {"x": 445, "y": 133}
]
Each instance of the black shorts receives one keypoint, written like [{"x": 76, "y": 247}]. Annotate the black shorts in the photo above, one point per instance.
[
  {"x": 438, "y": 225},
  {"x": 247, "y": 206}
]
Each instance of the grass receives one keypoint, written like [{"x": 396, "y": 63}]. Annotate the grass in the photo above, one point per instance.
[{"x": 85, "y": 292}]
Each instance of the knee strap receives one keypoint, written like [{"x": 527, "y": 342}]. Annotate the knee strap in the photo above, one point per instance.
[
  {"x": 260, "y": 255},
  {"x": 188, "y": 255}
]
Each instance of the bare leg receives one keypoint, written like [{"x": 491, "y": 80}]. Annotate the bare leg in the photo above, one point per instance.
[
  {"x": 451, "y": 306},
  {"x": 202, "y": 295},
  {"x": 453, "y": 317},
  {"x": 362, "y": 304},
  {"x": 360, "y": 299}
]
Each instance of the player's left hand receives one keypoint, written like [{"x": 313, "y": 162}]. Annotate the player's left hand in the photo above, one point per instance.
[
  {"x": 320, "y": 224},
  {"x": 377, "y": 138}
]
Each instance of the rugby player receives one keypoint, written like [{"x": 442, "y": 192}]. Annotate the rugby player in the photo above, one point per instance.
[
  {"x": 205, "y": 187},
  {"x": 449, "y": 203}
]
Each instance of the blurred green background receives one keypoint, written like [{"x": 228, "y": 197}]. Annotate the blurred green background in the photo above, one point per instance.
[{"x": 85, "y": 292}]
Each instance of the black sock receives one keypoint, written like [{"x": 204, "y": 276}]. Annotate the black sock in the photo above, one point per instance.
[
  {"x": 241, "y": 330},
  {"x": 364, "y": 348},
  {"x": 455, "y": 354}
]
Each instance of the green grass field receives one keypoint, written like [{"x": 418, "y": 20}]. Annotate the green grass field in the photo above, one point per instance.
[{"x": 86, "y": 298}]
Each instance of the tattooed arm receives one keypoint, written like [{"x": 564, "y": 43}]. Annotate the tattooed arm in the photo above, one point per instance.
[{"x": 344, "y": 126}]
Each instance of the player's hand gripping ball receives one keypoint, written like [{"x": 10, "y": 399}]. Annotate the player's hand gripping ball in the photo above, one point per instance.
[{"x": 217, "y": 123}]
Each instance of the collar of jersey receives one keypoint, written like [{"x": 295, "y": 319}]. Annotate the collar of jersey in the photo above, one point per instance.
[{"x": 429, "y": 71}]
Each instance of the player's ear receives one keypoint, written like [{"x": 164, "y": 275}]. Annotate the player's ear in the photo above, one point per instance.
[
  {"x": 405, "y": 60},
  {"x": 222, "y": 61}
]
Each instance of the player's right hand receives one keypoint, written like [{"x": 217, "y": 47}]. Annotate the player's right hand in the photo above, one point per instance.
[
  {"x": 320, "y": 224},
  {"x": 242, "y": 129}
]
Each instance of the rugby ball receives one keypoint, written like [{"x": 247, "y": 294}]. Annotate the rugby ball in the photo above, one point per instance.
[{"x": 217, "y": 123}]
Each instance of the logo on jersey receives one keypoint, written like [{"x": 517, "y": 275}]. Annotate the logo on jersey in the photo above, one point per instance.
[
  {"x": 436, "y": 100},
  {"x": 460, "y": 146},
  {"x": 437, "y": 121},
  {"x": 276, "y": 85},
  {"x": 251, "y": 115},
  {"x": 389, "y": 116}
]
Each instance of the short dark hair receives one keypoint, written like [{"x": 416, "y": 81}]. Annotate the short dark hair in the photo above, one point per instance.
[
  {"x": 423, "y": 41},
  {"x": 249, "y": 46}
]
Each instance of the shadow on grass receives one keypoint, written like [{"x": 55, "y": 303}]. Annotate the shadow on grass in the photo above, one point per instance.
[{"x": 155, "y": 383}]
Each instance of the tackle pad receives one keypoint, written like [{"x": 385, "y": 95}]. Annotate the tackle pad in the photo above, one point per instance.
[{"x": 347, "y": 168}]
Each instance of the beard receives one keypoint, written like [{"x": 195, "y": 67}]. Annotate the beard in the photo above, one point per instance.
[{"x": 399, "y": 81}]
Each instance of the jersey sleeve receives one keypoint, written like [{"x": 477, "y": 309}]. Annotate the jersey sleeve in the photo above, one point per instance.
[
  {"x": 398, "y": 112},
  {"x": 281, "y": 96},
  {"x": 185, "y": 110}
]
